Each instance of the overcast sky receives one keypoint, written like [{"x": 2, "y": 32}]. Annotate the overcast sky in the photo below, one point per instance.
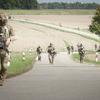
[{"x": 97, "y": 1}]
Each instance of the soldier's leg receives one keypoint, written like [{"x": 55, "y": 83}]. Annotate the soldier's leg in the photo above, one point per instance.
[
  {"x": 0, "y": 63},
  {"x": 38, "y": 57},
  {"x": 0, "y": 68},
  {"x": 52, "y": 58},
  {"x": 4, "y": 64},
  {"x": 4, "y": 68},
  {"x": 68, "y": 51},
  {"x": 81, "y": 59},
  {"x": 49, "y": 57}
]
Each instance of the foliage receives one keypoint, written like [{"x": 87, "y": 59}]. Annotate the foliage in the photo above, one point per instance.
[
  {"x": 95, "y": 26},
  {"x": 33, "y": 4},
  {"x": 18, "y": 4},
  {"x": 62, "y": 5}
]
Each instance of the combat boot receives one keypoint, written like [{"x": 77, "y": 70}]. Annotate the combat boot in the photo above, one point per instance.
[{"x": 1, "y": 80}]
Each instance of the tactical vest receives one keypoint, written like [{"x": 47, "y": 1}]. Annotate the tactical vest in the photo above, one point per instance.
[
  {"x": 39, "y": 50},
  {"x": 51, "y": 50}
]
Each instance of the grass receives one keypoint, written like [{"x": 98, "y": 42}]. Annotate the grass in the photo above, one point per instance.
[
  {"x": 18, "y": 66},
  {"x": 50, "y": 12},
  {"x": 75, "y": 56},
  {"x": 89, "y": 58}
]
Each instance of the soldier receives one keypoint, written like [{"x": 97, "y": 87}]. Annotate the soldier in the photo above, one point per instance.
[
  {"x": 81, "y": 52},
  {"x": 99, "y": 47},
  {"x": 6, "y": 32},
  {"x": 51, "y": 53},
  {"x": 68, "y": 49},
  {"x": 39, "y": 51},
  {"x": 72, "y": 48},
  {"x": 95, "y": 46}
]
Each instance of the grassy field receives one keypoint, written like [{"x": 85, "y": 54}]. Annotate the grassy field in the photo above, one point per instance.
[
  {"x": 18, "y": 66},
  {"x": 50, "y": 12},
  {"x": 89, "y": 58}
]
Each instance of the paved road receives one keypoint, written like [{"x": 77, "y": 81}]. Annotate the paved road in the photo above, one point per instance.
[{"x": 65, "y": 80}]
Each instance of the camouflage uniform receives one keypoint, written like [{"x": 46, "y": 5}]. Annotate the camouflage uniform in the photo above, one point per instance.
[
  {"x": 81, "y": 53},
  {"x": 5, "y": 32},
  {"x": 72, "y": 49},
  {"x": 68, "y": 48},
  {"x": 39, "y": 51},
  {"x": 51, "y": 53}
]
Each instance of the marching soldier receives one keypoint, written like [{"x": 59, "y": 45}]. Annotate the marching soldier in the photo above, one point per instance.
[
  {"x": 39, "y": 51},
  {"x": 51, "y": 53},
  {"x": 95, "y": 46},
  {"x": 72, "y": 48},
  {"x": 81, "y": 52},
  {"x": 68, "y": 49},
  {"x": 6, "y": 33}
]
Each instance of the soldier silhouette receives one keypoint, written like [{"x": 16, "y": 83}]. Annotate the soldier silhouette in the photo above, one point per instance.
[
  {"x": 6, "y": 32},
  {"x": 51, "y": 53}
]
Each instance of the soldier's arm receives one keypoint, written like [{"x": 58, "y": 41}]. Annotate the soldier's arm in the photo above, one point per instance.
[
  {"x": 11, "y": 34},
  {"x": 8, "y": 42},
  {"x": 11, "y": 37}
]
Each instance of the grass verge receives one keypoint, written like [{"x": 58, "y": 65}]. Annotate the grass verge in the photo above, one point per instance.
[
  {"x": 51, "y": 12},
  {"x": 18, "y": 66},
  {"x": 89, "y": 58}
]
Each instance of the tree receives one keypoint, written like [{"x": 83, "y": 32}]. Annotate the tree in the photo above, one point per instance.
[
  {"x": 18, "y": 4},
  {"x": 95, "y": 26},
  {"x": 64, "y": 5},
  {"x": 7, "y": 4}
]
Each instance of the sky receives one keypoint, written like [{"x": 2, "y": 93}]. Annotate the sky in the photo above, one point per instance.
[{"x": 97, "y": 1}]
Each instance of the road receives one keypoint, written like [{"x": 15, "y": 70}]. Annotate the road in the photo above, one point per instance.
[{"x": 65, "y": 80}]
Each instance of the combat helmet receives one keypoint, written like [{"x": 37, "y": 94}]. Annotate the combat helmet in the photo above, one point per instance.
[{"x": 3, "y": 19}]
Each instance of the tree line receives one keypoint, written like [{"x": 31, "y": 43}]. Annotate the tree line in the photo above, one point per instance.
[
  {"x": 18, "y": 4},
  {"x": 62, "y": 5},
  {"x": 33, "y": 4}
]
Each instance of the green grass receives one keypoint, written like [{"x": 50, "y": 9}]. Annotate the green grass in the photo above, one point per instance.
[
  {"x": 90, "y": 60},
  {"x": 51, "y": 12},
  {"x": 76, "y": 58},
  {"x": 18, "y": 66}
]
